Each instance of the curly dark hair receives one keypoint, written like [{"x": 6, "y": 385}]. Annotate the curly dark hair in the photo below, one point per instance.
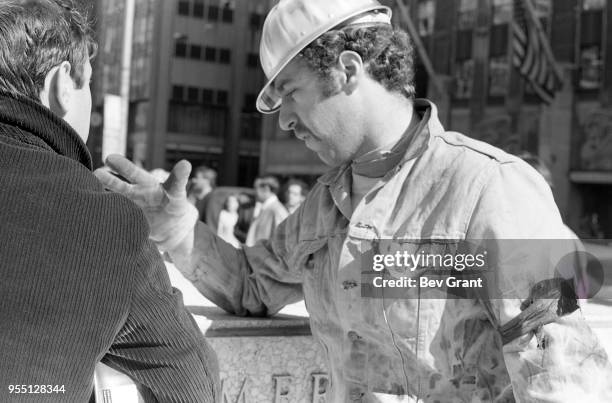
[
  {"x": 37, "y": 35},
  {"x": 386, "y": 52}
]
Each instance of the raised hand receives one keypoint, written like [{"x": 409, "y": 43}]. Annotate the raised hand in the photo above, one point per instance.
[{"x": 171, "y": 217}]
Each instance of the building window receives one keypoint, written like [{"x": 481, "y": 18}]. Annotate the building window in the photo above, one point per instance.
[
  {"x": 591, "y": 67},
  {"x": 593, "y": 4},
  {"x": 227, "y": 14},
  {"x": 591, "y": 47},
  {"x": 249, "y": 103},
  {"x": 499, "y": 75},
  {"x": 177, "y": 92},
  {"x": 196, "y": 119},
  {"x": 193, "y": 94},
  {"x": 248, "y": 167},
  {"x": 425, "y": 17},
  {"x": 502, "y": 11},
  {"x": 464, "y": 66},
  {"x": 207, "y": 96},
  {"x": 464, "y": 79},
  {"x": 224, "y": 56},
  {"x": 250, "y": 119},
  {"x": 213, "y": 13},
  {"x": 196, "y": 52},
  {"x": 198, "y": 9},
  {"x": 499, "y": 67},
  {"x": 252, "y": 60},
  {"x": 464, "y": 45},
  {"x": 250, "y": 125},
  {"x": 183, "y": 7},
  {"x": 466, "y": 17},
  {"x": 255, "y": 21},
  {"x": 543, "y": 11},
  {"x": 222, "y": 97},
  {"x": 210, "y": 54},
  {"x": 498, "y": 41},
  {"x": 180, "y": 49}
]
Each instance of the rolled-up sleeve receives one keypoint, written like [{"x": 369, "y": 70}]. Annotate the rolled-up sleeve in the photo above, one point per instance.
[{"x": 257, "y": 280}]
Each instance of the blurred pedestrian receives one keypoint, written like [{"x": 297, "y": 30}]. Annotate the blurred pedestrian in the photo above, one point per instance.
[
  {"x": 228, "y": 218},
  {"x": 203, "y": 182},
  {"x": 295, "y": 194},
  {"x": 269, "y": 213},
  {"x": 245, "y": 216},
  {"x": 80, "y": 281}
]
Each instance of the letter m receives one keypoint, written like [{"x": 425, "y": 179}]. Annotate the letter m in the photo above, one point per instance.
[{"x": 241, "y": 396}]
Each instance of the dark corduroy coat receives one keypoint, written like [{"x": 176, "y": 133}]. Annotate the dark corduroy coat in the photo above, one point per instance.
[{"x": 79, "y": 280}]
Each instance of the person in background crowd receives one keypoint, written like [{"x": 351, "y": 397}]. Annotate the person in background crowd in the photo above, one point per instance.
[
  {"x": 268, "y": 213},
  {"x": 80, "y": 281},
  {"x": 203, "y": 182},
  {"x": 341, "y": 77},
  {"x": 295, "y": 194},
  {"x": 245, "y": 216},
  {"x": 228, "y": 217}
]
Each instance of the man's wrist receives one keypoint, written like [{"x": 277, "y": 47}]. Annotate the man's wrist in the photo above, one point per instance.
[{"x": 181, "y": 255}]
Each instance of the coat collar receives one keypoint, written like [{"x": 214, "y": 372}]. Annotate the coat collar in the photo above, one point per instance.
[{"x": 37, "y": 120}]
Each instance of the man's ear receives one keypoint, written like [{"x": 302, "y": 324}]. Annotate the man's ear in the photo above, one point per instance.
[
  {"x": 58, "y": 89},
  {"x": 350, "y": 65}
]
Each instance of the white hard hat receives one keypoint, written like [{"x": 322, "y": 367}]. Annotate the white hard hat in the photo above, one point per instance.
[{"x": 292, "y": 25}]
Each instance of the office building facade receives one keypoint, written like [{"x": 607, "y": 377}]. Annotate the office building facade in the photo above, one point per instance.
[{"x": 194, "y": 78}]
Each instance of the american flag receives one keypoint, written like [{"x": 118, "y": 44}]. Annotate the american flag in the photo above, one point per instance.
[{"x": 531, "y": 52}]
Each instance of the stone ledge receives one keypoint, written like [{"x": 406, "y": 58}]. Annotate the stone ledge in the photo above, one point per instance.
[{"x": 215, "y": 322}]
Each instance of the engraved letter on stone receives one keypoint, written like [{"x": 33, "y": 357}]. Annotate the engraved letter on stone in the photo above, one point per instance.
[
  {"x": 319, "y": 387},
  {"x": 283, "y": 392}
]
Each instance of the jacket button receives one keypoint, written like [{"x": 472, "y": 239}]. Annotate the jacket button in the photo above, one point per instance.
[
  {"x": 348, "y": 284},
  {"x": 353, "y": 336},
  {"x": 356, "y": 395}
]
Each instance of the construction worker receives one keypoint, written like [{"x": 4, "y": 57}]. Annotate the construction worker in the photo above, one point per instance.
[{"x": 341, "y": 78}]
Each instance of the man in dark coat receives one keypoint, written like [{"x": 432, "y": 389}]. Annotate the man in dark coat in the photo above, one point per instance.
[{"x": 79, "y": 280}]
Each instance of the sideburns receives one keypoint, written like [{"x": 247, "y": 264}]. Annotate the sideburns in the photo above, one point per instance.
[{"x": 329, "y": 86}]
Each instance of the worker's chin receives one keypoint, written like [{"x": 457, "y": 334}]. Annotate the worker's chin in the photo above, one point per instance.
[
  {"x": 325, "y": 153},
  {"x": 329, "y": 158}
]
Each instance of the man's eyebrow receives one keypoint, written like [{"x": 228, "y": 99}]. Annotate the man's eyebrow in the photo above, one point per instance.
[{"x": 280, "y": 86}]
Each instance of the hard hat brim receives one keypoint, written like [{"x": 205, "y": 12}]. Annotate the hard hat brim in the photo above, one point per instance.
[{"x": 268, "y": 101}]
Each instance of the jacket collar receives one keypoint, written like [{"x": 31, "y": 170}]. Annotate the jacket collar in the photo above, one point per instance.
[
  {"x": 269, "y": 201},
  {"x": 37, "y": 120},
  {"x": 431, "y": 127}
]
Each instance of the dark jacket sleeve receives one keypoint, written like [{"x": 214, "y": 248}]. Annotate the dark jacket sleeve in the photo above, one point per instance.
[{"x": 160, "y": 346}]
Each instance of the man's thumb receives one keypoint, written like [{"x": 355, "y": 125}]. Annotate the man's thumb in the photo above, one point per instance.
[{"x": 176, "y": 184}]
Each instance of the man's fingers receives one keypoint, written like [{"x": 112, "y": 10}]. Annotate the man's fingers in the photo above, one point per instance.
[
  {"x": 176, "y": 184},
  {"x": 112, "y": 182},
  {"x": 128, "y": 170}
]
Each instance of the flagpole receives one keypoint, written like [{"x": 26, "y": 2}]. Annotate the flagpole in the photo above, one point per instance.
[{"x": 543, "y": 38}]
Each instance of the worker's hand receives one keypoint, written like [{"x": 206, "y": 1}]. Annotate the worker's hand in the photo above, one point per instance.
[{"x": 171, "y": 217}]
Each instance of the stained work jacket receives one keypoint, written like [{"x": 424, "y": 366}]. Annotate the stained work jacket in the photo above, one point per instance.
[{"x": 447, "y": 187}]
